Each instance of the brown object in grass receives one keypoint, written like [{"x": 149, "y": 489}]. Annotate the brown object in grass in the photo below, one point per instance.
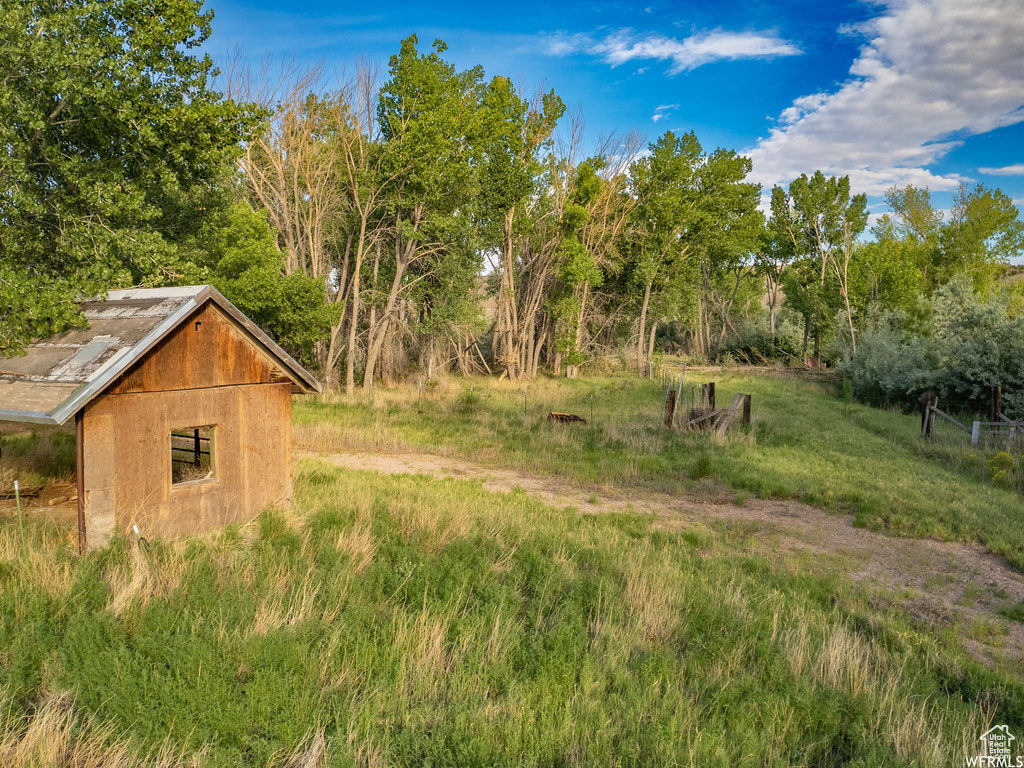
[
  {"x": 8, "y": 493},
  {"x": 565, "y": 418}
]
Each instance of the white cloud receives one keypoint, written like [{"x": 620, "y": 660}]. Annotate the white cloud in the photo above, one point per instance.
[
  {"x": 694, "y": 51},
  {"x": 561, "y": 44},
  {"x": 1007, "y": 170},
  {"x": 662, "y": 111},
  {"x": 689, "y": 53},
  {"x": 931, "y": 73}
]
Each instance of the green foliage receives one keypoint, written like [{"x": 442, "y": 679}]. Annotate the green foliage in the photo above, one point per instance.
[
  {"x": 35, "y": 455},
  {"x": 427, "y": 111},
  {"x": 578, "y": 266},
  {"x": 752, "y": 342},
  {"x": 703, "y": 467},
  {"x": 886, "y": 274},
  {"x": 982, "y": 234},
  {"x": 816, "y": 223},
  {"x": 1002, "y": 469},
  {"x": 1015, "y": 612},
  {"x": 890, "y": 368},
  {"x": 847, "y": 392},
  {"x": 114, "y": 146},
  {"x": 973, "y": 346},
  {"x": 245, "y": 264}
]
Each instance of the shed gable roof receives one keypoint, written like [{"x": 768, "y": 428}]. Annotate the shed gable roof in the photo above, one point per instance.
[{"x": 60, "y": 375}]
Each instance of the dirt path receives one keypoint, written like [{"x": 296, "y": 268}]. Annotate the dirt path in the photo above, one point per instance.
[{"x": 938, "y": 582}]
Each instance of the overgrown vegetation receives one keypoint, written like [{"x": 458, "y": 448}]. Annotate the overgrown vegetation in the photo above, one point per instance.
[
  {"x": 35, "y": 455},
  {"x": 410, "y": 621}
]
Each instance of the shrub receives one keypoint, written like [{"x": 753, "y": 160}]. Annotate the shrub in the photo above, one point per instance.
[
  {"x": 1002, "y": 469},
  {"x": 754, "y": 345},
  {"x": 973, "y": 345}
]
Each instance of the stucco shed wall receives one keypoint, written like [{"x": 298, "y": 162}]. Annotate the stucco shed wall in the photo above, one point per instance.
[{"x": 128, "y": 459}]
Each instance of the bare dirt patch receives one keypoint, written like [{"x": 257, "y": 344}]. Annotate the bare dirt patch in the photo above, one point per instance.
[
  {"x": 939, "y": 583},
  {"x": 36, "y": 504}
]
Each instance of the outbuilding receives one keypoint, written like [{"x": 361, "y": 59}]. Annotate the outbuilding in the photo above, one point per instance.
[{"x": 182, "y": 410}]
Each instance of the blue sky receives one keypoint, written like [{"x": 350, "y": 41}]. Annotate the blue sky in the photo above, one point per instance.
[{"x": 891, "y": 92}]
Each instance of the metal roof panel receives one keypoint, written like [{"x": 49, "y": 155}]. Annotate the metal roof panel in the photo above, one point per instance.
[{"x": 67, "y": 370}]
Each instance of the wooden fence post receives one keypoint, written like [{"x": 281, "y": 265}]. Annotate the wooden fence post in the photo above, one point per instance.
[
  {"x": 926, "y": 408},
  {"x": 670, "y": 406},
  {"x": 711, "y": 395},
  {"x": 996, "y": 405},
  {"x": 746, "y": 409},
  {"x": 726, "y": 420}
]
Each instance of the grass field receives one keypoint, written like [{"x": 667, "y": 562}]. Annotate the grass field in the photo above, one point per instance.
[
  {"x": 411, "y": 621},
  {"x": 804, "y": 443},
  {"x": 407, "y": 621}
]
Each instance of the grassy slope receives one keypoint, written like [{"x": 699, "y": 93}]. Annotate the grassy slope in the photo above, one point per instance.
[
  {"x": 805, "y": 443},
  {"x": 409, "y": 621}
]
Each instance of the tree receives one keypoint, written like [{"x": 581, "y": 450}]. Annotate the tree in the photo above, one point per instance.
[
  {"x": 513, "y": 132},
  {"x": 687, "y": 203},
  {"x": 428, "y": 114},
  {"x": 661, "y": 184},
  {"x": 578, "y": 266},
  {"x": 824, "y": 223},
  {"x": 781, "y": 246},
  {"x": 114, "y": 149},
  {"x": 293, "y": 170},
  {"x": 600, "y": 187},
  {"x": 982, "y": 235},
  {"x": 885, "y": 273},
  {"x": 238, "y": 254}
]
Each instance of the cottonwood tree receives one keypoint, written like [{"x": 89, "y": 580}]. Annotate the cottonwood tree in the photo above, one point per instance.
[
  {"x": 514, "y": 130},
  {"x": 429, "y": 118},
  {"x": 780, "y": 248},
  {"x": 731, "y": 233},
  {"x": 294, "y": 171},
  {"x": 237, "y": 251},
  {"x": 824, "y": 223},
  {"x": 982, "y": 235},
  {"x": 365, "y": 184},
  {"x": 115, "y": 146},
  {"x": 687, "y": 203},
  {"x": 599, "y": 193}
]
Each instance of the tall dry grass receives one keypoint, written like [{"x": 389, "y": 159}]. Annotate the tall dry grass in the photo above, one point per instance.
[{"x": 57, "y": 736}]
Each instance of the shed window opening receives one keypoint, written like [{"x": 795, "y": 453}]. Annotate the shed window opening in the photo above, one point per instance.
[{"x": 191, "y": 455}]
